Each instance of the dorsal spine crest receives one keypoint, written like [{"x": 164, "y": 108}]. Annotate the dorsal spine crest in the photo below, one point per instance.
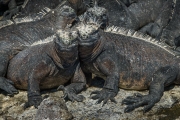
[{"x": 141, "y": 36}]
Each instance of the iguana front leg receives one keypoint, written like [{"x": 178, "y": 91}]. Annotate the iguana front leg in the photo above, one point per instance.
[
  {"x": 34, "y": 96},
  {"x": 78, "y": 83},
  {"x": 13, "y": 9},
  {"x": 37, "y": 74},
  {"x": 161, "y": 78},
  {"x": 107, "y": 64}
]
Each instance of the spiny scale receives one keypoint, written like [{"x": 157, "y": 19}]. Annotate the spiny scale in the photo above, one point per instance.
[
  {"x": 141, "y": 36},
  {"x": 40, "y": 15}
]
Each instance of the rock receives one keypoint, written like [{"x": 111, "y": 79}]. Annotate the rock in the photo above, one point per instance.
[
  {"x": 88, "y": 109},
  {"x": 167, "y": 108},
  {"x": 53, "y": 108}
]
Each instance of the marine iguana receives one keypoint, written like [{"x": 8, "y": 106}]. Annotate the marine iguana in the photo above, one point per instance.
[
  {"x": 172, "y": 30},
  {"x": 127, "y": 59},
  {"x": 12, "y": 7},
  {"x": 47, "y": 64},
  {"x": 40, "y": 9},
  {"x": 149, "y": 16},
  {"x": 16, "y": 38},
  {"x": 77, "y": 5}
]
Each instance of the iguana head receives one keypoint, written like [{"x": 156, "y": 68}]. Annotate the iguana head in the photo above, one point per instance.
[
  {"x": 89, "y": 38},
  {"x": 65, "y": 17},
  {"x": 96, "y": 12},
  {"x": 66, "y": 45},
  {"x": 88, "y": 30}
]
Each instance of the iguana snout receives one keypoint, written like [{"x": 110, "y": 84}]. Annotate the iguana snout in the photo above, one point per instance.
[{"x": 67, "y": 16}]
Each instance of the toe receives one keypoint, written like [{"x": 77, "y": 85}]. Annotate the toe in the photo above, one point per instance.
[{"x": 95, "y": 97}]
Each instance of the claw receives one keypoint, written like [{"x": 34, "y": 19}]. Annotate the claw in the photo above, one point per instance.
[
  {"x": 26, "y": 105},
  {"x": 65, "y": 95},
  {"x": 95, "y": 97},
  {"x": 11, "y": 82},
  {"x": 33, "y": 101},
  {"x": 128, "y": 101},
  {"x": 70, "y": 94},
  {"x": 81, "y": 98},
  {"x": 95, "y": 92},
  {"x": 113, "y": 100},
  {"x": 104, "y": 102},
  {"x": 128, "y": 109},
  {"x": 103, "y": 95},
  {"x": 99, "y": 101},
  {"x": 7, "y": 86},
  {"x": 138, "y": 95},
  {"x": 61, "y": 87},
  {"x": 140, "y": 100},
  {"x": 148, "y": 107}
]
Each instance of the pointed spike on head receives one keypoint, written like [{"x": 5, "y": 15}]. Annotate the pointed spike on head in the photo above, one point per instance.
[{"x": 95, "y": 3}]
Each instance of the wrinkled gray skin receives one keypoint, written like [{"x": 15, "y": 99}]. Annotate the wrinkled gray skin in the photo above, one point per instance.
[
  {"x": 148, "y": 16},
  {"x": 16, "y": 38},
  {"x": 127, "y": 59},
  {"x": 171, "y": 32}
]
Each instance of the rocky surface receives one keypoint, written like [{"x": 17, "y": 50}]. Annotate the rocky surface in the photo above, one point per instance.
[
  {"x": 11, "y": 108},
  {"x": 53, "y": 108}
]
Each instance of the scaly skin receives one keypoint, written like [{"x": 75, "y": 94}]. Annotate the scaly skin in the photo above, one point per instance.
[
  {"x": 172, "y": 30},
  {"x": 34, "y": 10},
  {"x": 34, "y": 6},
  {"x": 47, "y": 65},
  {"x": 16, "y": 38},
  {"x": 127, "y": 59},
  {"x": 151, "y": 16}
]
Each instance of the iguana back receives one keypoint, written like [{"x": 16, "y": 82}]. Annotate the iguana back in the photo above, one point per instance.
[{"x": 139, "y": 56}]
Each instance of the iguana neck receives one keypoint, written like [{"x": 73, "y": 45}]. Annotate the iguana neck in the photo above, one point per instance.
[
  {"x": 64, "y": 60},
  {"x": 88, "y": 53}
]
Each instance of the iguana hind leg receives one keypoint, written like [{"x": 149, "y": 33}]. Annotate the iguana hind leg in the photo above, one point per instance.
[
  {"x": 6, "y": 84},
  {"x": 164, "y": 76}
]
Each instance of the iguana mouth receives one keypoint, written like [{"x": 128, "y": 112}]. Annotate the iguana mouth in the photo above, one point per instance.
[
  {"x": 87, "y": 28},
  {"x": 66, "y": 40},
  {"x": 66, "y": 46}
]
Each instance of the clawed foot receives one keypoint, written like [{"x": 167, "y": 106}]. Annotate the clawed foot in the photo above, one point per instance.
[
  {"x": 10, "y": 13},
  {"x": 8, "y": 86},
  {"x": 70, "y": 94},
  {"x": 104, "y": 95},
  {"x": 33, "y": 101},
  {"x": 138, "y": 100}
]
